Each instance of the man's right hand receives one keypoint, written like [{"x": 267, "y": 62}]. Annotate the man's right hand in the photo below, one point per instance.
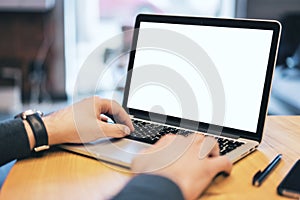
[{"x": 177, "y": 158}]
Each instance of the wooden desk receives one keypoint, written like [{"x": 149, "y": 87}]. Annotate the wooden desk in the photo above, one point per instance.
[{"x": 62, "y": 175}]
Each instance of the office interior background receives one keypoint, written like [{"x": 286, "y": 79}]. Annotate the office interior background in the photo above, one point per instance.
[{"x": 44, "y": 44}]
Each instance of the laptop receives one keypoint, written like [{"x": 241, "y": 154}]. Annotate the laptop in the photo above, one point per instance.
[{"x": 191, "y": 74}]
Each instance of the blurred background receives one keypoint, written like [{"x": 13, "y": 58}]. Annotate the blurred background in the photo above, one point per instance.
[{"x": 44, "y": 44}]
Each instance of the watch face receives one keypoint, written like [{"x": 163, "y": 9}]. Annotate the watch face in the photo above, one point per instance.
[{"x": 27, "y": 113}]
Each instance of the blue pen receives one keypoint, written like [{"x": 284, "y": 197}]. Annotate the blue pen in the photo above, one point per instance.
[{"x": 260, "y": 176}]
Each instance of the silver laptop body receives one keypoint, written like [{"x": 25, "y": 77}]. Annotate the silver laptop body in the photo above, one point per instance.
[{"x": 209, "y": 75}]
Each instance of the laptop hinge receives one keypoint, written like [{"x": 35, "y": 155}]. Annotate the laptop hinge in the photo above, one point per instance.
[
  {"x": 230, "y": 135},
  {"x": 218, "y": 131}
]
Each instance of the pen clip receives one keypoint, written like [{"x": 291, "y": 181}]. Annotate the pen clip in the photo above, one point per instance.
[
  {"x": 261, "y": 175},
  {"x": 255, "y": 181}
]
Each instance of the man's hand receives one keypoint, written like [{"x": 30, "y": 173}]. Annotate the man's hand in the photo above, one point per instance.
[
  {"x": 177, "y": 158},
  {"x": 82, "y": 122}
]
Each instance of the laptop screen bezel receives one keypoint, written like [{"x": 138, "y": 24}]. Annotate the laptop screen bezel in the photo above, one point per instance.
[{"x": 218, "y": 22}]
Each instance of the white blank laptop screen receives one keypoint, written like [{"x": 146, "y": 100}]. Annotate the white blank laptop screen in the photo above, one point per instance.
[{"x": 240, "y": 56}]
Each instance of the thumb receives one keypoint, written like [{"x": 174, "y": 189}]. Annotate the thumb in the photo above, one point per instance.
[
  {"x": 115, "y": 130},
  {"x": 220, "y": 164}
]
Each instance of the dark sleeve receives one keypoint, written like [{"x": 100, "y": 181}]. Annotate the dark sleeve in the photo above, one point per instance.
[
  {"x": 14, "y": 142},
  {"x": 149, "y": 187}
]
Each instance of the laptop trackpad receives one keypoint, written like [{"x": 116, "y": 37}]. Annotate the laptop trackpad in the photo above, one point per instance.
[
  {"x": 119, "y": 145},
  {"x": 119, "y": 151}
]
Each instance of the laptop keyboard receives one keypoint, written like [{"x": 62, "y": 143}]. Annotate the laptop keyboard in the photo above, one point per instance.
[{"x": 151, "y": 133}]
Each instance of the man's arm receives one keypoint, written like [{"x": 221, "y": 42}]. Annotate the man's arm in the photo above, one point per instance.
[
  {"x": 148, "y": 187},
  {"x": 78, "y": 123},
  {"x": 14, "y": 142}
]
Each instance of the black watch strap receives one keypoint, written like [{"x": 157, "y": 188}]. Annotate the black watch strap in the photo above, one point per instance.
[
  {"x": 34, "y": 118},
  {"x": 40, "y": 134}
]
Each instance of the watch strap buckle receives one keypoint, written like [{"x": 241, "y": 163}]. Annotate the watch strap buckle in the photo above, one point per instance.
[{"x": 41, "y": 148}]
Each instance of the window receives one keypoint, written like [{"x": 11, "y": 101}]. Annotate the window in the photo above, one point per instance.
[{"x": 99, "y": 23}]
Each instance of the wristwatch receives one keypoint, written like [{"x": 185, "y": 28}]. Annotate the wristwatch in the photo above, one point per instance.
[{"x": 34, "y": 118}]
